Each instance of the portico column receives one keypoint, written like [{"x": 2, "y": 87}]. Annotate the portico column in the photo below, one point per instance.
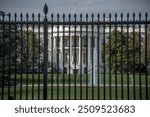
[
  {"x": 89, "y": 53},
  {"x": 95, "y": 67},
  {"x": 54, "y": 50},
  {"x": 79, "y": 51},
  {"x": 61, "y": 52},
  {"x": 100, "y": 53},
  {"x": 70, "y": 52}
]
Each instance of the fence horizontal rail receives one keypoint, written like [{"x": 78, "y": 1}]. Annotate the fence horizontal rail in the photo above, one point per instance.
[{"x": 78, "y": 23}]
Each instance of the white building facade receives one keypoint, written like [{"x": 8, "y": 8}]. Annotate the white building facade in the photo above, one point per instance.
[
  {"x": 79, "y": 49},
  {"x": 73, "y": 48}
]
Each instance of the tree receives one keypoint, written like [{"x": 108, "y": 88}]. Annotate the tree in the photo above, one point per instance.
[
  {"x": 6, "y": 53},
  {"x": 30, "y": 49},
  {"x": 16, "y": 49},
  {"x": 122, "y": 53}
]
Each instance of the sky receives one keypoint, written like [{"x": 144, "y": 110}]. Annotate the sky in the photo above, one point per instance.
[{"x": 82, "y": 6}]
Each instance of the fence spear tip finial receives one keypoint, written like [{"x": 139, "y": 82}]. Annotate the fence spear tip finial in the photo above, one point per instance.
[{"x": 45, "y": 9}]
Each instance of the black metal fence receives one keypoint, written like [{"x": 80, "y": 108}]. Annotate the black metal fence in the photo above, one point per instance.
[{"x": 74, "y": 57}]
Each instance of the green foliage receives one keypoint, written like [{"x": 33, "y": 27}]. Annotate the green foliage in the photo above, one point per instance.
[
  {"x": 6, "y": 51},
  {"x": 123, "y": 52},
  {"x": 16, "y": 49}
]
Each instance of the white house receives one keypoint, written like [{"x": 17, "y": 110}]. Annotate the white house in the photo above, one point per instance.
[
  {"x": 69, "y": 41},
  {"x": 64, "y": 42}
]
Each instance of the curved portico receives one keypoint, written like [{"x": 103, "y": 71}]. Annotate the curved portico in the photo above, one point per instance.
[{"x": 75, "y": 46}]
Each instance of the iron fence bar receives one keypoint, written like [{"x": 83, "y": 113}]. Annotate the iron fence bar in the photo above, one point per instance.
[
  {"x": 70, "y": 44},
  {"x": 146, "y": 62},
  {"x": 3, "y": 69},
  {"x": 104, "y": 69},
  {"x": 134, "y": 92},
  {"x": 45, "y": 53},
  {"x": 52, "y": 61},
  {"x": 110, "y": 56},
  {"x": 21, "y": 39},
  {"x": 9, "y": 47},
  {"x": 39, "y": 52},
  {"x": 33, "y": 59},
  {"x": 81, "y": 45},
  {"x": 58, "y": 40},
  {"x": 98, "y": 58},
  {"x": 87, "y": 58},
  {"x": 116, "y": 78},
  {"x": 127, "y": 54},
  {"x": 27, "y": 75},
  {"x": 15, "y": 58},
  {"x": 140, "y": 58},
  {"x": 93, "y": 45},
  {"x": 63, "y": 39},
  {"x": 75, "y": 57},
  {"x": 122, "y": 37}
]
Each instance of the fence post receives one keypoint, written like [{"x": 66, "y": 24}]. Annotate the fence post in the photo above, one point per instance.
[{"x": 45, "y": 9}]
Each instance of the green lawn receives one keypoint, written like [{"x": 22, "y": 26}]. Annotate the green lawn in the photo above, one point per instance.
[
  {"x": 64, "y": 78},
  {"x": 35, "y": 93},
  {"x": 98, "y": 92}
]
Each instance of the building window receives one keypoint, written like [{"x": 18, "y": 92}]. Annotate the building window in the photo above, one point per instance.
[
  {"x": 75, "y": 41},
  {"x": 75, "y": 71},
  {"x": 85, "y": 70},
  {"x": 65, "y": 70},
  {"x": 75, "y": 58},
  {"x": 84, "y": 58},
  {"x": 92, "y": 42},
  {"x": 65, "y": 57},
  {"x": 66, "y": 41},
  {"x": 84, "y": 42},
  {"x": 57, "y": 41}
]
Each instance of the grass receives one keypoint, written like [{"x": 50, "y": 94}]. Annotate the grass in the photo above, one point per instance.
[
  {"x": 35, "y": 92},
  {"x": 66, "y": 78}
]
